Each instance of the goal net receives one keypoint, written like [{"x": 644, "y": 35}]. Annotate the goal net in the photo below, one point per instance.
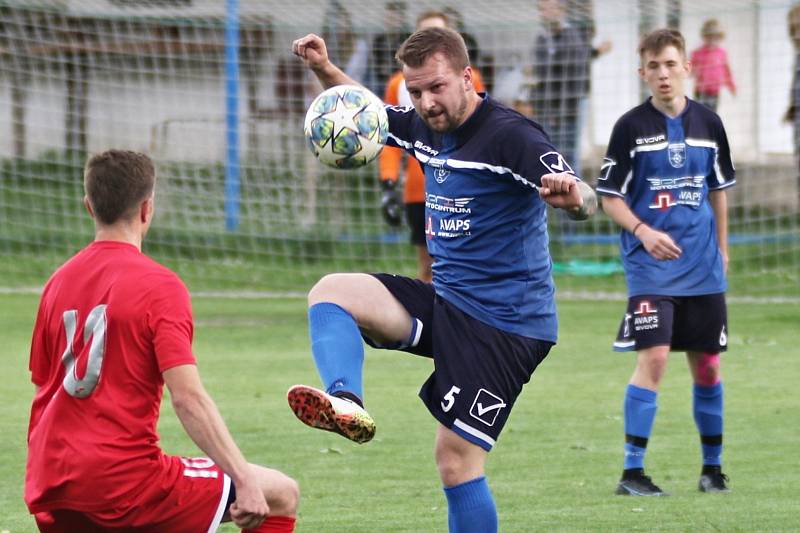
[{"x": 210, "y": 90}]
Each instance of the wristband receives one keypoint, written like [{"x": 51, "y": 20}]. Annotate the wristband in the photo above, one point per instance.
[{"x": 633, "y": 231}]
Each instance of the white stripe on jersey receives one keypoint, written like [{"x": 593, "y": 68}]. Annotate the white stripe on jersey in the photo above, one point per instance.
[
  {"x": 627, "y": 182},
  {"x": 401, "y": 142},
  {"x": 610, "y": 191},
  {"x": 623, "y": 190},
  {"x": 456, "y": 163},
  {"x": 648, "y": 148},
  {"x": 703, "y": 143},
  {"x": 474, "y": 165},
  {"x": 474, "y": 432}
]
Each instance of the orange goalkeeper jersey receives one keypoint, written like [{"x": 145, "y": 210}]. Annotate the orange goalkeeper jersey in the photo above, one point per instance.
[{"x": 391, "y": 158}]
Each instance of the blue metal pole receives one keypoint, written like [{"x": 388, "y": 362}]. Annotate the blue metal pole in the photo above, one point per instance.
[{"x": 232, "y": 168}]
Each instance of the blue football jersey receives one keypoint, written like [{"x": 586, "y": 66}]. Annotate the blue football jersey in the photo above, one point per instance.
[
  {"x": 485, "y": 223},
  {"x": 664, "y": 168}
]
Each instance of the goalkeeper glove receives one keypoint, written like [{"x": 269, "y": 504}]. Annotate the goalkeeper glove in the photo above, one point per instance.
[{"x": 391, "y": 203}]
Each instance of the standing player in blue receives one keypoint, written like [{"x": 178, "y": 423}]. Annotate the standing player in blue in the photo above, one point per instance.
[
  {"x": 489, "y": 317},
  {"x": 664, "y": 181}
]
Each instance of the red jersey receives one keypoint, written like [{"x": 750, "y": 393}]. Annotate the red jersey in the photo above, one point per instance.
[{"x": 110, "y": 321}]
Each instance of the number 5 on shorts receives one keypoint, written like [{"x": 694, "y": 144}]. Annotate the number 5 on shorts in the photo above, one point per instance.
[{"x": 450, "y": 398}]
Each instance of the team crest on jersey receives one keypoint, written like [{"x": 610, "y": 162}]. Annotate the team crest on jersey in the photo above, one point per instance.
[
  {"x": 555, "y": 163},
  {"x": 677, "y": 154},
  {"x": 441, "y": 175}
]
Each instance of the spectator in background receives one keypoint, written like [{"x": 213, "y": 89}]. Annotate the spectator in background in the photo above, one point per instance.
[
  {"x": 456, "y": 22},
  {"x": 710, "y": 66},
  {"x": 581, "y": 15},
  {"x": 391, "y": 162},
  {"x": 385, "y": 44},
  {"x": 344, "y": 47},
  {"x": 562, "y": 55},
  {"x": 792, "y": 114}
]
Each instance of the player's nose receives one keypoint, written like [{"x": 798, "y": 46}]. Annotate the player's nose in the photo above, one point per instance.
[{"x": 427, "y": 102}]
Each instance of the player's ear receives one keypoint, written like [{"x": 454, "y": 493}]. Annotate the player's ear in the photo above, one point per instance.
[
  {"x": 88, "y": 206},
  {"x": 468, "y": 78},
  {"x": 146, "y": 209}
]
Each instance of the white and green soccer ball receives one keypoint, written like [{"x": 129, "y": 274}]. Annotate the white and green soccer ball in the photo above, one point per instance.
[{"x": 346, "y": 126}]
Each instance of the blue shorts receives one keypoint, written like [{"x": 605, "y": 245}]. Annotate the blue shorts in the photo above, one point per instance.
[
  {"x": 684, "y": 323},
  {"x": 479, "y": 370}
]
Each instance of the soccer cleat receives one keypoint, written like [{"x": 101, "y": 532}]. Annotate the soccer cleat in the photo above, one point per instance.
[
  {"x": 635, "y": 483},
  {"x": 713, "y": 482},
  {"x": 318, "y": 409}
]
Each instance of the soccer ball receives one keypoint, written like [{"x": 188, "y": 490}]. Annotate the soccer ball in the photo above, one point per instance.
[{"x": 346, "y": 126}]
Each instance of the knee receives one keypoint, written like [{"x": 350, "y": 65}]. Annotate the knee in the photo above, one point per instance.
[
  {"x": 459, "y": 463},
  {"x": 707, "y": 373},
  {"x": 323, "y": 290},
  {"x": 655, "y": 364},
  {"x": 451, "y": 468},
  {"x": 284, "y": 497}
]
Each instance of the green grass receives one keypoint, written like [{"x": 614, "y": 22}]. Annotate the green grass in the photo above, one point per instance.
[{"x": 555, "y": 466}]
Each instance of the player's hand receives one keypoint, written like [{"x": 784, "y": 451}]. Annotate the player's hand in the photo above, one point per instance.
[
  {"x": 391, "y": 203},
  {"x": 250, "y": 508},
  {"x": 658, "y": 244},
  {"x": 561, "y": 190},
  {"x": 312, "y": 50}
]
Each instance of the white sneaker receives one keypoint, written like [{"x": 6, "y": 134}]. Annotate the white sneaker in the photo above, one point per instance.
[{"x": 318, "y": 409}]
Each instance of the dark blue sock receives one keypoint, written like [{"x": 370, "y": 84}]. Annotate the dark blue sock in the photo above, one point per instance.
[
  {"x": 337, "y": 348},
  {"x": 640, "y": 412},
  {"x": 708, "y": 417},
  {"x": 470, "y": 507}
]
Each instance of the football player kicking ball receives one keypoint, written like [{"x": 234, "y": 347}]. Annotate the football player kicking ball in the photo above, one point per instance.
[
  {"x": 114, "y": 326},
  {"x": 489, "y": 317},
  {"x": 664, "y": 181}
]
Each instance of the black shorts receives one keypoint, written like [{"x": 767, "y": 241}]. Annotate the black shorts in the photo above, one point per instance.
[
  {"x": 684, "y": 323},
  {"x": 415, "y": 216},
  {"x": 479, "y": 370}
]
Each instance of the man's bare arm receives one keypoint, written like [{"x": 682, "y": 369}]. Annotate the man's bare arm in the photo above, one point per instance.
[{"x": 312, "y": 50}]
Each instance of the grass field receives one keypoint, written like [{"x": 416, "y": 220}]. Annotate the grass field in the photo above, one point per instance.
[{"x": 555, "y": 466}]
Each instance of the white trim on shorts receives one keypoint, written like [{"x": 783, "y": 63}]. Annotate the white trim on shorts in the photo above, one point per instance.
[
  {"x": 226, "y": 489},
  {"x": 624, "y": 345},
  {"x": 463, "y": 426}
]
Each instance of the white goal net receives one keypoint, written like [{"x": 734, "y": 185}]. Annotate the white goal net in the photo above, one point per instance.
[{"x": 210, "y": 90}]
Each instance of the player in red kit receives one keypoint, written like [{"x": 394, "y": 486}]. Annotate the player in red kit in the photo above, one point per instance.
[{"x": 113, "y": 327}]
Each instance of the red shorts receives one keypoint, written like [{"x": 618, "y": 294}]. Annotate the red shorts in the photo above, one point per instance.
[{"x": 196, "y": 503}]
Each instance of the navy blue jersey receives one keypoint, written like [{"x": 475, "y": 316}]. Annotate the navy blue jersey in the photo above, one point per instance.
[
  {"x": 664, "y": 168},
  {"x": 486, "y": 226}
]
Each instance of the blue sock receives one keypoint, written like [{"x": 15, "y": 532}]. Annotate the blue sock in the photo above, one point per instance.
[
  {"x": 470, "y": 507},
  {"x": 640, "y": 412},
  {"x": 708, "y": 417},
  {"x": 337, "y": 348}
]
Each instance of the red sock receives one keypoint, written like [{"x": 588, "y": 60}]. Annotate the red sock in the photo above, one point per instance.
[{"x": 274, "y": 524}]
